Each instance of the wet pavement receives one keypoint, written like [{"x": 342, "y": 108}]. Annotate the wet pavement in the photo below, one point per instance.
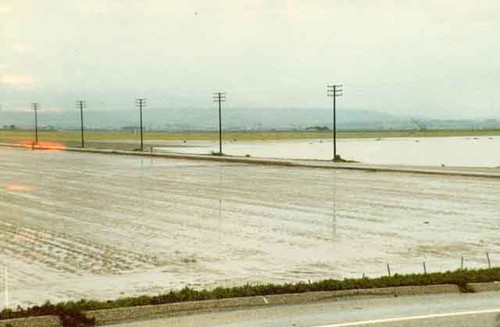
[{"x": 447, "y": 310}]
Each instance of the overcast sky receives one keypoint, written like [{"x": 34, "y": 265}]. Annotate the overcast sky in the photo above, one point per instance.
[{"x": 422, "y": 58}]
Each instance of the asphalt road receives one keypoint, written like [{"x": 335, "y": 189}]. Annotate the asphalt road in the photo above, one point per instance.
[{"x": 448, "y": 310}]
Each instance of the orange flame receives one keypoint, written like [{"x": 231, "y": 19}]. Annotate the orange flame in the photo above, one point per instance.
[
  {"x": 45, "y": 145},
  {"x": 17, "y": 188}
]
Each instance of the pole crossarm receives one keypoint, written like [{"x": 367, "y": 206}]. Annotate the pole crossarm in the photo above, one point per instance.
[
  {"x": 219, "y": 97},
  {"x": 81, "y": 104},
  {"x": 140, "y": 102},
  {"x": 334, "y": 90}
]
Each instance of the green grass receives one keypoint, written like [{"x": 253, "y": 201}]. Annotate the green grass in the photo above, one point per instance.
[
  {"x": 73, "y": 137},
  {"x": 72, "y": 312},
  {"x": 130, "y": 141}
]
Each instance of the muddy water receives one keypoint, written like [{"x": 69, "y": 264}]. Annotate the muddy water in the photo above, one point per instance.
[
  {"x": 428, "y": 151},
  {"x": 100, "y": 226}
]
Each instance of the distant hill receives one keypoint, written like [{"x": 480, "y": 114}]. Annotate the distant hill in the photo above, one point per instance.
[{"x": 233, "y": 119}]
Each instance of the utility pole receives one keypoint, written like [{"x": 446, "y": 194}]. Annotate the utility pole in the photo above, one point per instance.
[
  {"x": 141, "y": 103},
  {"x": 35, "y": 106},
  {"x": 220, "y": 97},
  {"x": 6, "y": 279},
  {"x": 334, "y": 91},
  {"x": 81, "y": 104}
]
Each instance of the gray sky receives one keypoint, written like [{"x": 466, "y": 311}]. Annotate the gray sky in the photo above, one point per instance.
[{"x": 423, "y": 58}]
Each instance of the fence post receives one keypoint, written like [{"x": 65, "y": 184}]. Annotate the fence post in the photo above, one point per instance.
[
  {"x": 462, "y": 263},
  {"x": 489, "y": 261},
  {"x": 425, "y": 268},
  {"x": 388, "y": 270}
]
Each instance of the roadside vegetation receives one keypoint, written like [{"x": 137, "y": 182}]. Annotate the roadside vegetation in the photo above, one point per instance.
[{"x": 72, "y": 313}]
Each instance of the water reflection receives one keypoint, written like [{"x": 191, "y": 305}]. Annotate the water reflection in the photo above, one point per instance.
[
  {"x": 333, "y": 222},
  {"x": 221, "y": 194}
]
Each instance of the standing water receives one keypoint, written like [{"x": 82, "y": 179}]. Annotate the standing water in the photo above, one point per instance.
[{"x": 430, "y": 151}]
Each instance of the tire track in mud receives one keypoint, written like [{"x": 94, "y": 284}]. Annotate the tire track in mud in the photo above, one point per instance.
[{"x": 68, "y": 254}]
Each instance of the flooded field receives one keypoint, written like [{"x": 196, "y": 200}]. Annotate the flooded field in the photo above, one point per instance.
[
  {"x": 481, "y": 151},
  {"x": 76, "y": 225}
]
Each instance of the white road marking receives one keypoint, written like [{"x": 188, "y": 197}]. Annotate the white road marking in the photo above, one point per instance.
[{"x": 438, "y": 315}]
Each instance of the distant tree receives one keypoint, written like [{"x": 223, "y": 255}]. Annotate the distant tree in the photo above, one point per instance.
[
  {"x": 421, "y": 126},
  {"x": 132, "y": 129},
  {"x": 317, "y": 128}
]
